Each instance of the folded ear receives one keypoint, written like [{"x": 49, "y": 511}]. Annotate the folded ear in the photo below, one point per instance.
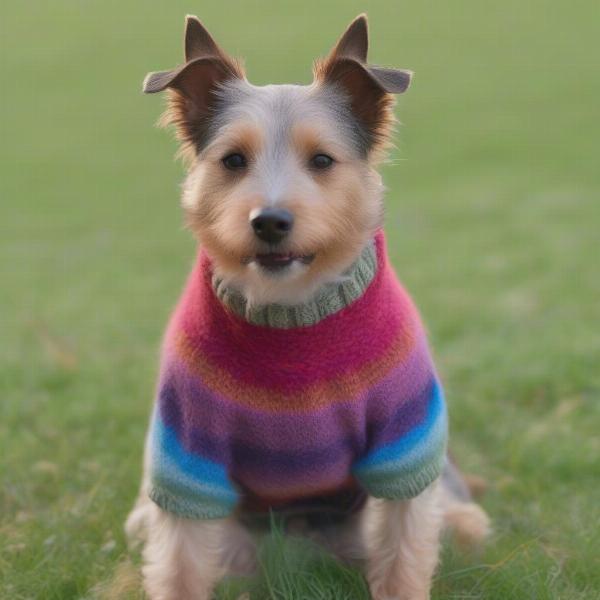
[
  {"x": 192, "y": 85},
  {"x": 369, "y": 88}
]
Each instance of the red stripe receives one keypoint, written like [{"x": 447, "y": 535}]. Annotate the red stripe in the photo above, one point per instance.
[{"x": 289, "y": 360}]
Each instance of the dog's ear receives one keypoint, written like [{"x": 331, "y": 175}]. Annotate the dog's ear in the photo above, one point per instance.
[
  {"x": 192, "y": 85},
  {"x": 368, "y": 87}
]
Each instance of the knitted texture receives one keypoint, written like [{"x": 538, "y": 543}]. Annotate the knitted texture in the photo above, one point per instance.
[
  {"x": 305, "y": 406},
  {"x": 328, "y": 300}
]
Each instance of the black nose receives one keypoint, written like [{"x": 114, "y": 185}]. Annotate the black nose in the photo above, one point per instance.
[{"x": 272, "y": 224}]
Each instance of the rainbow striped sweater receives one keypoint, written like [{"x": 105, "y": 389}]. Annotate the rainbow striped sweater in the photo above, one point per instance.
[{"x": 295, "y": 407}]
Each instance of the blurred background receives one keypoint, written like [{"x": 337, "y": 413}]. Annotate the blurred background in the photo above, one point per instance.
[{"x": 493, "y": 219}]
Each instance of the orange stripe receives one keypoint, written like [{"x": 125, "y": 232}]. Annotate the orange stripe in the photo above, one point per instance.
[{"x": 338, "y": 389}]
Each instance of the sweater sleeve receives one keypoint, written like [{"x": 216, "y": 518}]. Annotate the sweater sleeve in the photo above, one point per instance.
[
  {"x": 184, "y": 482},
  {"x": 402, "y": 461}
]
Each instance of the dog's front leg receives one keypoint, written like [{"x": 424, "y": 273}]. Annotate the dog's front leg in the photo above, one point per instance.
[
  {"x": 182, "y": 557},
  {"x": 405, "y": 547}
]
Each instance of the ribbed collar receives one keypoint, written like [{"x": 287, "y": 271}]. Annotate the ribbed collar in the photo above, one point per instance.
[{"x": 330, "y": 299}]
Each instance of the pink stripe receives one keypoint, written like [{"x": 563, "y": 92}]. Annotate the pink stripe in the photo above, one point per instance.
[{"x": 292, "y": 359}]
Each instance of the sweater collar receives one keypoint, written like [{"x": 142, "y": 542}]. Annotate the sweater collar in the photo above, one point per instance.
[{"x": 329, "y": 299}]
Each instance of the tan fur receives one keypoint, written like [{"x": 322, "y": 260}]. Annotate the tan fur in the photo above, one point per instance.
[
  {"x": 181, "y": 557},
  {"x": 404, "y": 547},
  {"x": 468, "y": 522},
  {"x": 477, "y": 485},
  {"x": 189, "y": 115},
  {"x": 125, "y": 582},
  {"x": 373, "y": 107}
]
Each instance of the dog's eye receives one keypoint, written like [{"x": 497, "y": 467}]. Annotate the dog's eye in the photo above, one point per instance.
[
  {"x": 235, "y": 161},
  {"x": 321, "y": 161}
]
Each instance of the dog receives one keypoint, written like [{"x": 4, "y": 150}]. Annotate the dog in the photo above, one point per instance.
[{"x": 295, "y": 375}]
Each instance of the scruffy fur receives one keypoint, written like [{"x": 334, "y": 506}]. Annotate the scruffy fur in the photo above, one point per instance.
[{"x": 346, "y": 113}]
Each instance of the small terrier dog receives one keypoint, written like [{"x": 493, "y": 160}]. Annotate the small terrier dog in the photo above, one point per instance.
[{"x": 295, "y": 374}]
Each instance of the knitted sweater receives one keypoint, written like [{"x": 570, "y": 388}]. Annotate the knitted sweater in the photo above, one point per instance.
[{"x": 286, "y": 407}]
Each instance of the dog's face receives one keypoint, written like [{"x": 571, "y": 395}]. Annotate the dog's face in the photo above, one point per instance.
[
  {"x": 282, "y": 197},
  {"x": 282, "y": 190}
]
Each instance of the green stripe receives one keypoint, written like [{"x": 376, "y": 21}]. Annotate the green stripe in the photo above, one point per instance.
[
  {"x": 403, "y": 486},
  {"x": 195, "y": 508}
]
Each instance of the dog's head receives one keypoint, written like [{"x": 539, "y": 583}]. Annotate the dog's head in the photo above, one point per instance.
[{"x": 282, "y": 190}]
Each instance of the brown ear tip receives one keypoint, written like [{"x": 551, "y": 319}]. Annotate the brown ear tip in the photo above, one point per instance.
[
  {"x": 149, "y": 85},
  {"x": 189, "y": 18},
  {"x": 361, "y": 21},
  {"x": 406, "y": 77}
]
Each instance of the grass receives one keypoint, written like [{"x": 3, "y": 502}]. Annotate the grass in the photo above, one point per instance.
[{"x": 492, "y": 220}]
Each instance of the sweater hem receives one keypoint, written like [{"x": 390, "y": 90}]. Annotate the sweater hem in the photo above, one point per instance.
[
  {"x": 405, "y": 488},
  {"x": 186, "y": 508}
]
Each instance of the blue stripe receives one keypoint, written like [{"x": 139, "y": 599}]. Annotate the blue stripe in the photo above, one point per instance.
[
  {"x": 347, "y": 439},
  {"x": 173, "y": 465},
  {"x": 415, "y": 445}
]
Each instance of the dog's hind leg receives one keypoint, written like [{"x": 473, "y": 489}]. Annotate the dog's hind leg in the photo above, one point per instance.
[
  {"x": 182, "y": 557},
  {"x": 466, "y": 520}
]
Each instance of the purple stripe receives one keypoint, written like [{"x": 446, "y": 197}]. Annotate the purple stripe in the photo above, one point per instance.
[
  {"x": 243, "y": 439},
  {"x": 310, "y": 479}
]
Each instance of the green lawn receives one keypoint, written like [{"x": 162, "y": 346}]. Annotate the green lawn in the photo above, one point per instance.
[{"x": 493, "y": 221}]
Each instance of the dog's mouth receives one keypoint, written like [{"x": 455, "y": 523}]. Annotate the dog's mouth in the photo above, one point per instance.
[{"x": 278, "y": 261}]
